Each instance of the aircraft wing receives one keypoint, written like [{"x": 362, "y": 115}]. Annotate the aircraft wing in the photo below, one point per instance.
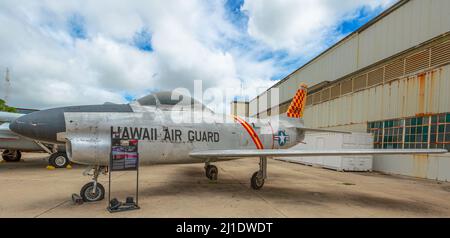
[
  {"x": 6, "y": 134},
  {"x": 322, "y": 130},
  {"x": 300, "y": 153},
  {"x": 9, "y": 116}
]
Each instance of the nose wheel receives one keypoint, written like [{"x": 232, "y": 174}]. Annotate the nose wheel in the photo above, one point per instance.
[
  {"x": 258, "y": 178},
  {"x": 211, "y": 172},
  {"x": 93, "y": 191}
]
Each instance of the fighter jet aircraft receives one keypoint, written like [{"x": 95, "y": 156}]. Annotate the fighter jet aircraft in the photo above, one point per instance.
[
  {"x": 13, "y": 145},
  {"x": 168, "y": 130}
]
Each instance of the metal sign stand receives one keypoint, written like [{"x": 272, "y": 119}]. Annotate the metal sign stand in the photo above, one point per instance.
[{"x": 124, "y": 157}]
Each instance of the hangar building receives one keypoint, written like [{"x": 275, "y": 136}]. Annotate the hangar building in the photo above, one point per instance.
[
  {"x": 240, "y": 108},
  {"x": 391, "y": 77}
]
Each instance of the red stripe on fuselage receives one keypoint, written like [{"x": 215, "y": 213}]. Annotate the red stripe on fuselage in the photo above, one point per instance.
[{"x": 251, "y": 132}]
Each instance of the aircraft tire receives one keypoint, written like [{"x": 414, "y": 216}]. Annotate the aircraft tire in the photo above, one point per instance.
[
  {"x": 11, "y": 155},
  {"x": 256, "y": 182},
  {"x": 59, "y": 160},
  {"x": 212, "y": 172},
  {"x": 87, "y": 194}
]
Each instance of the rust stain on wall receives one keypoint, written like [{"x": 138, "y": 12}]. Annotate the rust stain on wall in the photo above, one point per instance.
[
  {"x": 431, "y": 90},
  {"x": 421, "y": 78}
]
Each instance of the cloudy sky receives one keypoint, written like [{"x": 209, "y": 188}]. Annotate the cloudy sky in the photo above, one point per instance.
[{"x": 86, "y": 52}]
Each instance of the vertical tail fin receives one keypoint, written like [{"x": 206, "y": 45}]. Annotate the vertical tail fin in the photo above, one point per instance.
[{"x": 297, "y": 106}]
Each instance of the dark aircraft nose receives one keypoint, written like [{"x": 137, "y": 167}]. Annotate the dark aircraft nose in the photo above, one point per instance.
[
  {"x": 44, "y": 125},
  {"x": 40, "y": 125}
]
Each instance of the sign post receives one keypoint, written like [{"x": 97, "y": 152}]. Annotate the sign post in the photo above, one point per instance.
[{"x": 124, "y": 156}]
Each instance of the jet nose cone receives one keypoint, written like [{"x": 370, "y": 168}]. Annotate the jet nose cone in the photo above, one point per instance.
[
  {"x": 13, "y": 126},
  {"x": 41, "y": 125},
  {"x": 21, "y": 125}
]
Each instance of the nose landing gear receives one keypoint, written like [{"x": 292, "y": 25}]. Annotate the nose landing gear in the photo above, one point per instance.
[
  {"x": 211, "y": 172},
  {"x": 93, "y": 191}
]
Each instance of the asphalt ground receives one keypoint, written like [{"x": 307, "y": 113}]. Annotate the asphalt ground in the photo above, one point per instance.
[{"x": 29, "y": 189}]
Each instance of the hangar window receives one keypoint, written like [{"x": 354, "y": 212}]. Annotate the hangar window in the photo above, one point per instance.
[
  {"x": 412, "y": 133},
  {"x": 393, "y": 134},
  {"x": 440, "y": 131},
  {"x": 416, "y": 133},
  {"x": 376, "y": 128}
]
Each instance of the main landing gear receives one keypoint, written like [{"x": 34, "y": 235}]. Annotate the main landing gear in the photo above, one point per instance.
[
  {"x": 59, "y": 160},
  {"x": 211, "y": 172},
  {"x": 56, "y": 159},
  {"x": 257, "y": 180},
  {"x": 11, "y": 155},
  {"x": 93, "y": 191}
]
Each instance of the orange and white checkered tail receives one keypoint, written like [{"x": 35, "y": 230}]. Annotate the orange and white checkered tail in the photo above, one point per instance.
[{"x": 297, "y": 106}]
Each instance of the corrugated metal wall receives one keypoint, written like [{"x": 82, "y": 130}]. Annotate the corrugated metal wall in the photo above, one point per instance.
[
  {"x": 253, "y": 107},
  {"x": 422, "y": 93},
  {"x": 436, "y": 167},
  {"x": 413, "y": 23}
]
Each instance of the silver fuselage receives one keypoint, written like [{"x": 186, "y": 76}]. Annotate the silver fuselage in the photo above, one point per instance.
[{"x": 166, "y": 136}]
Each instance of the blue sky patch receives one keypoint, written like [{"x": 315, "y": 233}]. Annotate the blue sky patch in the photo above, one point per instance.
[
  {"x": 363, "y": 15},
  {"x": 245, "y": 98},
  {"x": 128, "y": 97},
  {"x": 235, "y": 15},
  {"x": 77, "y": 26},
  {"x": 143, "y": 40}
]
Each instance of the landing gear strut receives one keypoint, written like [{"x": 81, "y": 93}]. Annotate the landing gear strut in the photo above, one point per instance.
[
  {"x": 257, "y": 180},
  {"x": 211, "y": 172},
  {"x": 93, "y": 191},
  {"x": 56, "y": 159},
  {"x": 11, "y": 155}
]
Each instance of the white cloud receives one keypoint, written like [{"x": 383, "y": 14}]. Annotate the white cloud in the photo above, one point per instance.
[
  {"x": 50, "y": 68},
  {"x": 301, "y": 26},
  {"x": 190, "y": 39}
]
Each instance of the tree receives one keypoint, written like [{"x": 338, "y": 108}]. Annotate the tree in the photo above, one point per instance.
[{"x": 6, "y": 108}]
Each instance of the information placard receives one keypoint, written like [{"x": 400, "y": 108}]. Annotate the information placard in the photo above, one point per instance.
[{"x": 124, "y": 155}]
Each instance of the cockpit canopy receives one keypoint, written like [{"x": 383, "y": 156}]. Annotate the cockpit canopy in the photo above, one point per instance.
[{"x": 169, "y": 100}]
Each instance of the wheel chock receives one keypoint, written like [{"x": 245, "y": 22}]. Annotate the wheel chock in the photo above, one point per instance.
[
  {"x": 77, "y": 199},
  {"x": 69, "y": 166},
  {"x": 49, "y": 167}
]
